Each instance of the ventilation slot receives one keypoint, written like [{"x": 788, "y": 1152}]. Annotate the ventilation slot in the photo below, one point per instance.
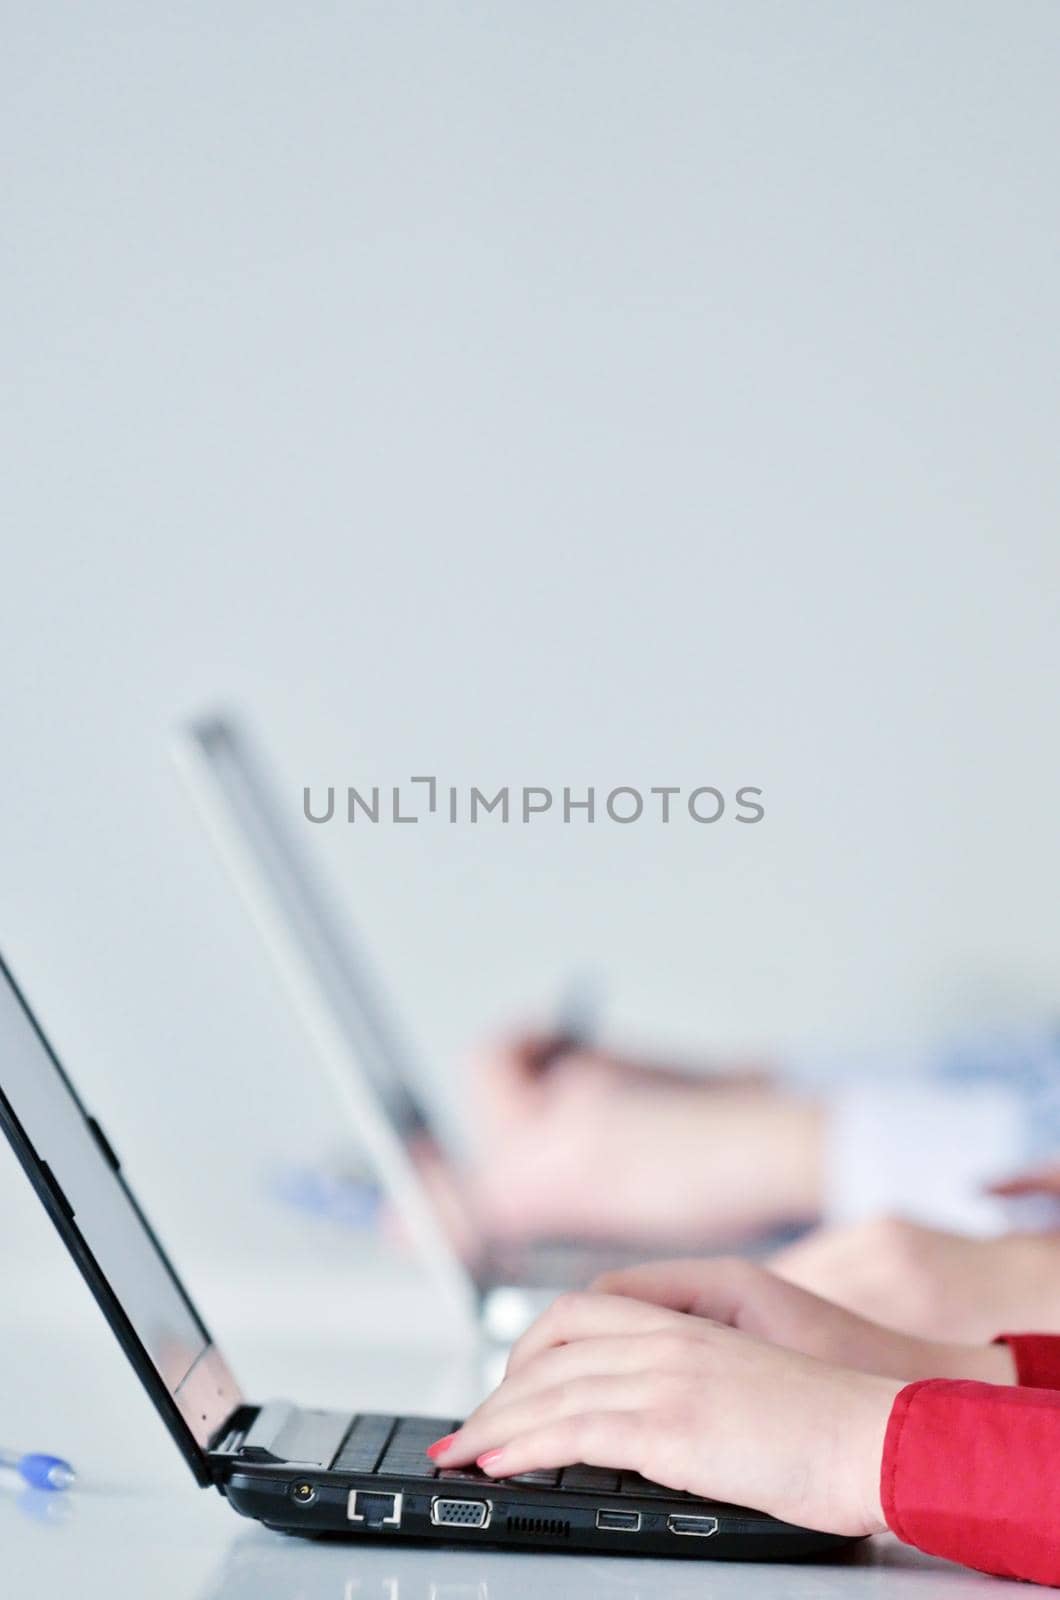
[{"x": 547, "y": 1527}]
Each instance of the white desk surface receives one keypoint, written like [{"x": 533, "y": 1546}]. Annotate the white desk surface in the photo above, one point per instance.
[{"x": 137, "y": 1525}]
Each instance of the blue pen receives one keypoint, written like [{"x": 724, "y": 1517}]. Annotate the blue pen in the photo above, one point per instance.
[{"x": 43, "y": 1472}]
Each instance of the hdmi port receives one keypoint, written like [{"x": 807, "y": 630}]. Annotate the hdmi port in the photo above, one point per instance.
[
  {"x": 618, "y": 1521},
  {"x": 698, "y": 1527}
]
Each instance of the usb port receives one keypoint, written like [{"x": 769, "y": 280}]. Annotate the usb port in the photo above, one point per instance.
[
  {"x": 698, "y": 1527},
  {"x": 618, "y": 1521}
]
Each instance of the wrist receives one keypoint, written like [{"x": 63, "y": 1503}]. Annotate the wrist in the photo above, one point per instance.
[
  {"x": 1032, "y": 1297},
  {"x": 877, "y": 1403},
  {"x": 715, "y": 1137},
  {"x": 792, "y": 1135},
  {"x": 983, "y": 1363}
]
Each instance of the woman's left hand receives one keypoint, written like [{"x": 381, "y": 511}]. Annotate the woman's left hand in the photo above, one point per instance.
[{"x": 929, "y": 1282}]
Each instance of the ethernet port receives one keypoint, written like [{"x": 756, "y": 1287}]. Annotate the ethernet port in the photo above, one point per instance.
[{"x": 373, "y": 1509}]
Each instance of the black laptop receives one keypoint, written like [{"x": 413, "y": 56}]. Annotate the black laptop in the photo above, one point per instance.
[{"x": 361, "y": 1475}]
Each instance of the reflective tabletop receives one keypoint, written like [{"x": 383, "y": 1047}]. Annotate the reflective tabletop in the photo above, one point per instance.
[{"x": 137, "y": 1525}]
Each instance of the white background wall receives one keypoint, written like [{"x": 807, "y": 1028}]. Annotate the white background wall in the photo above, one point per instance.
[{"x": 550, "y": 393}]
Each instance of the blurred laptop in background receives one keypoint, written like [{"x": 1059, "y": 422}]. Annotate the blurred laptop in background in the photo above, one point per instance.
[{"x": 496, "y": 1284}]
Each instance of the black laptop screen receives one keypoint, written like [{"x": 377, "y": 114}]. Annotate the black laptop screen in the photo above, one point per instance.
[{"x": 104, "y": 1212}]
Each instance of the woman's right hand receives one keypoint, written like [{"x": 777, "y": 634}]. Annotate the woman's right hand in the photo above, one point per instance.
[{"x": 608, "y": 1380}]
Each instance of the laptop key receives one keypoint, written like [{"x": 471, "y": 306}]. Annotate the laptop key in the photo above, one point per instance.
[
  {"x": 407, "y": 1467},
  {"x": 633, "y": 1483},
  {"x": 589, "y": 1478},
  {"x": 543, "y": 1477},
  {"x": 426, "y": 1428},
  {"x": 405, "y": 1453},
  {"x": 363, "y": 1444}
]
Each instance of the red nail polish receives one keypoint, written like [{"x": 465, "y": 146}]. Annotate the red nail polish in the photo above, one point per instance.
[
  {"x": 488, "y": 1460},
  {"x": 440, "y": 1446}
]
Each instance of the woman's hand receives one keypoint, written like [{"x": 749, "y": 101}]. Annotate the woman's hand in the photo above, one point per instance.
[
  {"x": 759, "y": 1302},
  {"x": 932, "y": 1283},
  {"x": 618, "y": 1382},
  {"x": 679, "y": 1371}
]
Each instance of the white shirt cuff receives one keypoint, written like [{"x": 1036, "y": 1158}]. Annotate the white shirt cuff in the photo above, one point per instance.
[{"x": 923, "y": 1151}]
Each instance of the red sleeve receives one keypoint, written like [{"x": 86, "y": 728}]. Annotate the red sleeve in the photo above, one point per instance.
[
  {"x": 1037, "y": 1358},
  {"x": 971, "y": 1472}
]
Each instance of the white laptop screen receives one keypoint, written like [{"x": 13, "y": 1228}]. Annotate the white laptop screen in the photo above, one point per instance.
[{"x": 254, "y": 826}]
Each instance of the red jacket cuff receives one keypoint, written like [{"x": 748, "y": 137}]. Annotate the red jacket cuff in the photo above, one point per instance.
[
  {"x": 1037, "y": 1358},
  {"x": 971, "y": 1472}
]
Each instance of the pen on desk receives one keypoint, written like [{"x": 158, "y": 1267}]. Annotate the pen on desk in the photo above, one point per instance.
[
  {"x": 41, "y": 1471},
  {"x": 575, "y": 1025}
]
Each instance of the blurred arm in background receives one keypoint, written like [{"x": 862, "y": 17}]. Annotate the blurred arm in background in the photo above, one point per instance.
[{"x": 586, "y": 1143}]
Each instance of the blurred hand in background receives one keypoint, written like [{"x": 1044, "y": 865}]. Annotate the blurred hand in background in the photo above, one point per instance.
[{"x": 574, "y": 1141}]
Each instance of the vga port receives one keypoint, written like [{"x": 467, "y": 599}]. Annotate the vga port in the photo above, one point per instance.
[{"x": 460, "y": 1513}]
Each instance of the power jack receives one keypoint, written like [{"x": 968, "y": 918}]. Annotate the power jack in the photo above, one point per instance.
[{"x": 303, "y": 1493}]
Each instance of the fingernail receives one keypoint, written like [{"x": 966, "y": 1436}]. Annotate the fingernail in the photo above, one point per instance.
[
  {"x": 440, "y": 1446},
  {"x": 489, "y": 1460}
]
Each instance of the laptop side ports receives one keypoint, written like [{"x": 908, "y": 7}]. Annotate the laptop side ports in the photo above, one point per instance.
[
  {"x": 447, "y": 1513},
  {"x": 618, "y": 1521},
  {"x": 697, "y": 1527},
  {"x": 374, "y": 1510}
]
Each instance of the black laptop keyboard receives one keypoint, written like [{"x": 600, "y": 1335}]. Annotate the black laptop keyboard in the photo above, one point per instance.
[{"x": 398, "y": 1445}]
